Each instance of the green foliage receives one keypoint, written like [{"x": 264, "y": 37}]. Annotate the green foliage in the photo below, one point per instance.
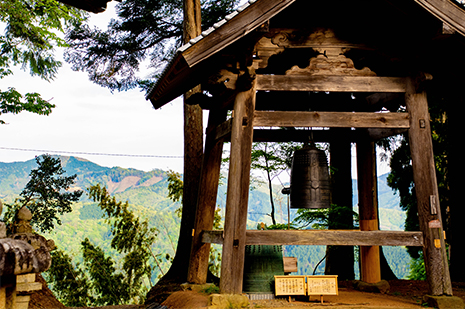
[
  {"x": 175, "y": 186},
  {"x": 31, "y": 33},
  {"x": 46, "y": 194},
  {"x": 128, "y": 231},
  {"x": 321, "y": 218},
  {"x": 212, "y": 289},
  {"x": 278, "y": 226},
  {"x": 150, "y": 202},
  {"x": 417, "y": 268},
  {"x": 131, "y": 237},
  {"x": 143, "y": 29},
  {"x": 90, "y": 211},
  {"x": 70, "y": 284},
  {"x": 107, "y": 285},
  {"x": 214, "y": 262}
]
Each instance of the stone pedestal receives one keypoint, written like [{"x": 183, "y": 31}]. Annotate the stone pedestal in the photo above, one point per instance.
[{"x": 444, "y": 302}]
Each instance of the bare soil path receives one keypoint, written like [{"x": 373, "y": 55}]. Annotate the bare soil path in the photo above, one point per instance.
[{"x": 403, "y": 294}]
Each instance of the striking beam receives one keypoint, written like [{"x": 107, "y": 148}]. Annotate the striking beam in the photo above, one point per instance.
[
  {"x": 323, "y": 237},
  {"x": 331, "y": 119},
  {"x": 330, "y": 83}
]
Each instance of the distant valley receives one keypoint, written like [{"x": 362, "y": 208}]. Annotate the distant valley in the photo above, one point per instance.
[{"x": 147, "y": 192}]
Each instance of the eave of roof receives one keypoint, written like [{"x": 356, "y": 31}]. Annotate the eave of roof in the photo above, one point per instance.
[
  {"x": 447, "y": 11},
  {"x": 192, "y": 57}
]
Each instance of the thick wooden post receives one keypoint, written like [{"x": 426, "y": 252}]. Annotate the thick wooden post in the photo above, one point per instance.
[
  {"x": 426, "y": 189},
  {"x": 232, "y": 264},
  {"x": 340, "y": 259},
  {"x": 209, "y": 179},
  {"x": 370, "y": 270}
]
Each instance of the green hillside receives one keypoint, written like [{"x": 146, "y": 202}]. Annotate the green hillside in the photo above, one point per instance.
[{"x": 146, "y": 192}]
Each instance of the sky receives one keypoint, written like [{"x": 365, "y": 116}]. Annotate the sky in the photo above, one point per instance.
[
  {"x": 90, "y": 120},
  {"x": 120, "y": 129}
]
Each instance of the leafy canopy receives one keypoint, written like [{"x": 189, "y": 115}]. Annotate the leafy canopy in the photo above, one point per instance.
[
  {"x": 31, "y": 33},
  {"x": 144, "y": 30}
]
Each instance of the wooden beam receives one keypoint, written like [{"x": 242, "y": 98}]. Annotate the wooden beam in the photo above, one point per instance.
[
  {"x": 232, "y": 265},
  {"x": 223, "y": 129},
  {"x": 206, "y": 203},
  {"x": 323, "y": 237},
  {"x": 447, "y": 11},
  {"x": 370, "y": 266},
  {"x": 330, "y": 83},
  {"x": 331, "y": 119},
  {"x": 426, "y": 189},
  {"x": 282, "y": 136}
]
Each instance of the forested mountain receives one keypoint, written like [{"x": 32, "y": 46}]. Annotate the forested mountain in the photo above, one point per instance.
[{"x": 147, "y": 193}]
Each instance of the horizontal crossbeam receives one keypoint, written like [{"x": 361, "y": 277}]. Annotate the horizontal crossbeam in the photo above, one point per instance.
[
  {"x": 323, "y": 237},
  {"x": 332, "y": 83},
  {"x": 331, "y": 119}
]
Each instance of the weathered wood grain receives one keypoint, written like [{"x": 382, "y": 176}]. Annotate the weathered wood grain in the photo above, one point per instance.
[
  {"x": 331, "y": 119},
  {"x": 370, "y": 266},
  {"x": 330, "y": 83},
  {"x": 206, "y": 203},
  {"x": 276, "y": 135},
  {"x": 232, "y": 265},
  {"x": 446, "y": 11},
  {"x": 223, "y": 129},
  {"x": 324, "y": 237},
  {"x": 424, "y": 176}
]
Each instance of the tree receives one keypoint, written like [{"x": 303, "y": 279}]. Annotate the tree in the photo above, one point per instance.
[
  {"x": 144, "y": 30},
  {"x": 105, "y": 282},
  {"x": 31, "y": 34},
  {"x": 70, "y": 284},
  {"x": 272, "y": 158},
  {"x": 46, "y": 194},
  {"x": 151, "y": 29}
]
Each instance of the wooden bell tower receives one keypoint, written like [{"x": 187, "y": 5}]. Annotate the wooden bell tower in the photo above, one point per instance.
[{"x": 272, "y": 68}]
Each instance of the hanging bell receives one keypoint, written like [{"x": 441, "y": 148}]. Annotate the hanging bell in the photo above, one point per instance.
[{"x": 310, "y": 185}]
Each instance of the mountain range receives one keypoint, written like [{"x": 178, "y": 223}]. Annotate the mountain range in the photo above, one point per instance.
[{"x": 147, "y": 192}]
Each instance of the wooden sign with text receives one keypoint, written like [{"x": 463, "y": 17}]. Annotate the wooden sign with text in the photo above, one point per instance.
[
  {"x": 290, "y": 285},
  {"x": 322, "y": 285},
  {"x": 306, "y": 285}
]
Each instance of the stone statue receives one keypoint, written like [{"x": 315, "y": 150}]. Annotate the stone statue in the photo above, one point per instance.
[{"x": 22, "y": 222}]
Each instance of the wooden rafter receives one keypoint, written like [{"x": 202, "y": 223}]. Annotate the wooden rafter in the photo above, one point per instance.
[{"x": 447, "y": 11}]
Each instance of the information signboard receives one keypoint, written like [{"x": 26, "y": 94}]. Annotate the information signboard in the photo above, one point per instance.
[
  {"x": 322, "y": 285},
  {"x": 290, "y": 285}
]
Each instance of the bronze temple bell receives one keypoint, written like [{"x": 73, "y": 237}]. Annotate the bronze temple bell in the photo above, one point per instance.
[{"x": 310, "y": 185}]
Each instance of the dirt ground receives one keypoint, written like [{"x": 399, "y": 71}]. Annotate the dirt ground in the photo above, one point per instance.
[{"x": 402, "y": 294}]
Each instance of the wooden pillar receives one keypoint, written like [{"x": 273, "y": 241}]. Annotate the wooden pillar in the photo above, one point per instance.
[
  {"x": 209, "y": 180},
  {"x": 370, "y": 269},
  {"x": 426, "y": 189},
  {"x": 340, "y": 259},
  {"x": 232, "y": 264}
]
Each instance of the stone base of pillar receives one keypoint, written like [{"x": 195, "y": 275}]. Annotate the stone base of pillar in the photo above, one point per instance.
[{"x": 444, "y": 302}]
